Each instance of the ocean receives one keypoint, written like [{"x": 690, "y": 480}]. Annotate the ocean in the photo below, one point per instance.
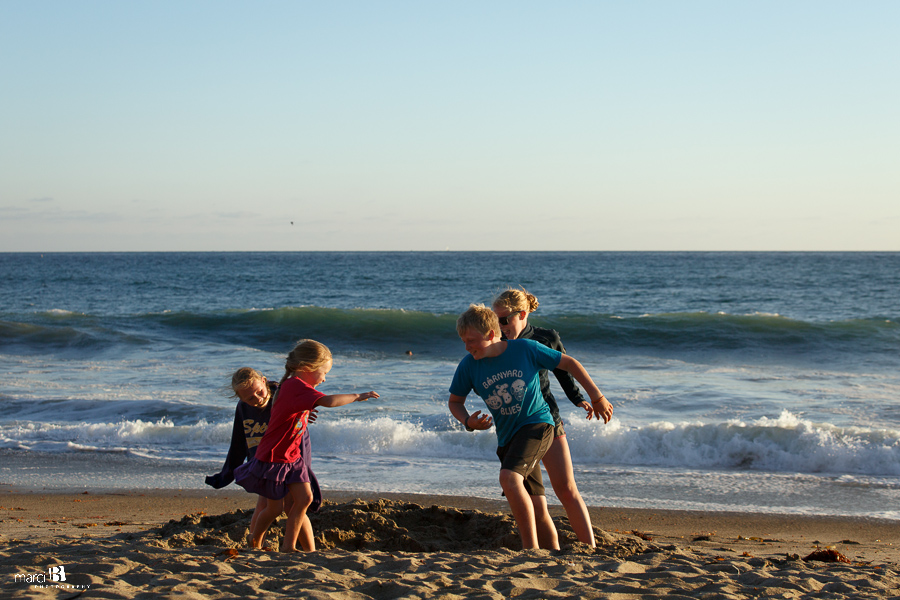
[{"x": 751, "y": 382}]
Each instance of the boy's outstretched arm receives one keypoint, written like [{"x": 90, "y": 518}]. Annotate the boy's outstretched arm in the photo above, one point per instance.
[
  {"x": 342, "y": 399},
  {"x": 600, "y": 405},
  {"x": 476, "y": 420}
]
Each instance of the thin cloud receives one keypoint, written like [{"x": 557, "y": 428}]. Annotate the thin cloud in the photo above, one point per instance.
[
  {"x": 45, "y": 215},
  {"x": 237, "y": 215},
  {"x": 13, "y": 210}
]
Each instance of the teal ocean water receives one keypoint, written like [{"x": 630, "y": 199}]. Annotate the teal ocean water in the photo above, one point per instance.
[{"x": 741, "y": 381}]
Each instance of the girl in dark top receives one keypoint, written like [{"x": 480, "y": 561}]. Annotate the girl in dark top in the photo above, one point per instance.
[
  {"x": 513, "y": 307},
  {"x": 251, "y": 419}
]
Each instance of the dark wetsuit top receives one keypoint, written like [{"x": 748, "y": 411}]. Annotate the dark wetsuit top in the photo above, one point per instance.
[{"x": 550, "y": 338}]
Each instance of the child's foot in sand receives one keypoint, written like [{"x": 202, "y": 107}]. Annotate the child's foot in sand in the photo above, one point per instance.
[{"x": 283, "y": 549}]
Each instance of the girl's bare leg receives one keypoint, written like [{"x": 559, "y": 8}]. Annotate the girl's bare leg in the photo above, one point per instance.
[
  {"x": 264, "y": 519},
  {"x": 301, "y": 494},
  {"x": 558, "y": 463},
  {"x": 306, "y": 538},
  {"x": 288, "y": 503},
  {"x": 260, "y": 506}
]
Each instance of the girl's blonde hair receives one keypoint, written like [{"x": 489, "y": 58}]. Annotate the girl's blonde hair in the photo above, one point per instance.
[
  {"x": 516, "y": 300},
  {"x": 243, "y": 377},
  {"x": 307, "y": 355}
]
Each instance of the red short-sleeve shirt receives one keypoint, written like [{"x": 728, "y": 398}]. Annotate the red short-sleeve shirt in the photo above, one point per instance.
[{"x": 288, "y": 421}]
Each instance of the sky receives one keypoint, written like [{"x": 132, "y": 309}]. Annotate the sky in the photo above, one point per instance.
[{"x": 467, "y": 125}]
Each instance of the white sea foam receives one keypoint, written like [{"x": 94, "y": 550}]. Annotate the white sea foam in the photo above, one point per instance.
[
  {"x": 787, "y": 444},
  {"x": 783, "y": 444},
  {"x": 160, "y": 438}
]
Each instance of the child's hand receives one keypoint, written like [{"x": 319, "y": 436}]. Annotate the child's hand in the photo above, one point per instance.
[
  {"x": 313, "y": 414},
  {"x": 602, "y": 408},
  {"x": 365, "y": 396},
  {"x": 587, "y": 407},
  {"x": 478, "y": 421}
]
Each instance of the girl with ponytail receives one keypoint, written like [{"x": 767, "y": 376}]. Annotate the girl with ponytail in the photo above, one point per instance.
[
  {"x": 279, "y": 469},
  {"x": 512, "y": 307}
]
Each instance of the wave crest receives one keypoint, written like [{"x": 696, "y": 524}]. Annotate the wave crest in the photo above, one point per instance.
[
  {"x": 783, "y": 444},
  {"x": 396, "y": 331}
]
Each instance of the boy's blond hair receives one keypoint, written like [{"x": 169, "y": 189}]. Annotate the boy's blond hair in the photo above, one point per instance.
[{"x": 480, "y": 318}]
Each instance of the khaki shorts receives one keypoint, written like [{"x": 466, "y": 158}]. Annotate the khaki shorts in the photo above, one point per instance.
[
  {"x": 558, "y": 431},
  {"x": 524, "y": 452}
]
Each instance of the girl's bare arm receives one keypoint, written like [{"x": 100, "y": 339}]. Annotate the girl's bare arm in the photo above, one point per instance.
[{"x": 342, "y": 399}]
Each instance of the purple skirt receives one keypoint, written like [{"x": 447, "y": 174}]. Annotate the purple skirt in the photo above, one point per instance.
[{"x": 271, "y": 480}]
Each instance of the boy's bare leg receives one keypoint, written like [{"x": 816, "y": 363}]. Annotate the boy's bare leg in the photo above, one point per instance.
[
  {"x": 513, "y": 486},
  {"x": 546, "y": 530},
  {"x": 558, "y": 463}
]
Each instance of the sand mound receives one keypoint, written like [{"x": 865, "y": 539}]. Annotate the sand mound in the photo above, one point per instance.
[
  {"x": 365, "y": 556},
  {"x": 387, "y": 525}
]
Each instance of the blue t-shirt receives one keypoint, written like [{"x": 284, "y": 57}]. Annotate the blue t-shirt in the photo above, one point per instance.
[{"x": 509, "y": 385}]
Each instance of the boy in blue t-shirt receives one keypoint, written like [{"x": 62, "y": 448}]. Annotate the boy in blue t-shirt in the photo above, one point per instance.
[{"x": 505, "y": 375}]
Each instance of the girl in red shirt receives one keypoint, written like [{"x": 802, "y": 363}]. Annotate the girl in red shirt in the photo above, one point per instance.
[{"x": 278, "y": 469}]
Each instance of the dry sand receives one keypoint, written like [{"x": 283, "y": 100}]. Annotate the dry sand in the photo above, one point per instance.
[{"x": 189, "y": 544}]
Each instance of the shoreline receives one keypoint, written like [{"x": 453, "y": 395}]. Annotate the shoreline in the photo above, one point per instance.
[
  {"x": 33, "y": 515},
  {"x": 118, "y": 473}
]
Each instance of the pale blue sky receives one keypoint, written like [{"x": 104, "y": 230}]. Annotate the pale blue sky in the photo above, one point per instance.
[{"x": 695, "y": 125}]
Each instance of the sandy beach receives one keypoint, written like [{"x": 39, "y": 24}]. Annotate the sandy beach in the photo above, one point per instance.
[{"x": 190, "y": 544}]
